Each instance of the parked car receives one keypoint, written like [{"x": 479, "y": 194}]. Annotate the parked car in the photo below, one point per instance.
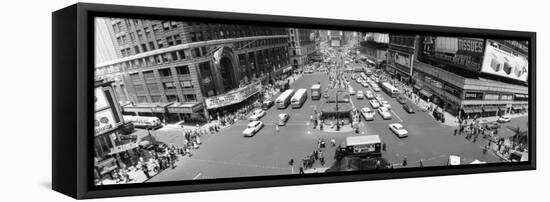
[
  {"x": 378, "y": 97},
  {"x": 364, "y": 84},
  {"x": 374, "y": 104},
  {"x": 367, "y": 113},
  {"x": 252, "y": 128},
  {"x": 283, "y": 118},
  {"x": 267, "y": 104},
  {"x": 399, "y": 130},
  {"x": 409, "y": 108},
  {"x": 384, "y": 113},
  {"x": 504, "y": 119},
  {"x": 257, "y": 115},
  {"x": 360, "y": 95},
  {"x": 369, "y": 94},
  {"x": 376, "y": 89},
  {"x": 492, "y": 125}
]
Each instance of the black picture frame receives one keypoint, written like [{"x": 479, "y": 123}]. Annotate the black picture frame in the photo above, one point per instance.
[{"x": 73, "y": 82}]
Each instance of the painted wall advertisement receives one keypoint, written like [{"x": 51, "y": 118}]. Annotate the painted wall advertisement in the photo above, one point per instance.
[
  {"x": 466, "y": 53},
  {"x": 401, "y": 61},
  {"x": 100, "y": 100},
  {"x": 502, "y": 61},
  {"x": 104, "y": 121},
  {"x": 233, "y": 97}
]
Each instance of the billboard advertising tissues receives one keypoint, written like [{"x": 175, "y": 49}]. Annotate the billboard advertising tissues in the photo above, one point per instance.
[{"x": 502, "y": 61}]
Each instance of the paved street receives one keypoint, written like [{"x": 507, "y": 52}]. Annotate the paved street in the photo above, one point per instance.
[{"x": 229, "y": 154}]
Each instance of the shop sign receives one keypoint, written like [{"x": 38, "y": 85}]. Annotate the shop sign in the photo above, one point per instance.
[
  {"x": 233, "y": 97},
  {"x": 100, "y": 99},
  {"x": 128, "y": 137},
  {"x": 104, "y": 121},
  {"x": 401, "y": 61},
  {"x": 464, "y": 53},
  {"x": 124, "y": 147},
  {"x": 158, "y": 109},
  {"x": 505, "y": 62}
]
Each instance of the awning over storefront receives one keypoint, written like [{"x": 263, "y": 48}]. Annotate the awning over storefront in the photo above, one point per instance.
[
  {"x": 472, "y": 109},
  {"x": 159, "y": 107},
  {"x": 234, "y": 96},
  {"x": 287, "y": 69},
  {"x": 520, "y": 107},
  {"x": 185, "y": 107},
  {"x": 426, "y": 93},
  {"x": 417, "y": 87}
]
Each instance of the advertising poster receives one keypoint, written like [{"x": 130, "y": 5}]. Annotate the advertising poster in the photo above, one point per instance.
[
  {"x": 502, "y": 61},
  {"x": 104, "y": 121},
  {"x": 100, "y": 99}
]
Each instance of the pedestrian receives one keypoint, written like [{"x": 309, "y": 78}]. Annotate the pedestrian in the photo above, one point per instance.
[
  {"x": 455, "y": 131},
  {"x": 405, "y": 161},
  {"x": 333, "y": 141},
  {"x": 145, "y": 170},
  {"x": 277, "y": 127},
  {"x": 421, "y": 164},
  {"x": 291, "y": 162},
  {"x": 301, "y": 170}
]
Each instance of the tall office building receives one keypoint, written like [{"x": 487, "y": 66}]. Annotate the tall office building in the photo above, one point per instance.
[
  {"x": 176, "y": 70},
  {"x": 302, "y": 46}
]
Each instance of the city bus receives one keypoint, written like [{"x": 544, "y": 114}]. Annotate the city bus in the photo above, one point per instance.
[
  {"x": 143, "y": 121},
  {"x": 299, "y": 98},
  {"x": 316, "y": 92},
  {"x": 389, "y": 89},
  {"x": 284, "y": 99},
  {"x": 365, "y": 145}
]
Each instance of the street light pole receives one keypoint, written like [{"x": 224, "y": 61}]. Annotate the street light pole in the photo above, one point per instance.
[{"x": 337, "y": 114}]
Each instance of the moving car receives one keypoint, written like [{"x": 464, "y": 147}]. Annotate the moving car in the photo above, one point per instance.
[
  {"x": 351, "y": 91},
  {"x": 401, "y": 99},
  {"x": 385, "y": 104},
  {"x": 283, "y": 118},
  {"x": 384, "y": 112},
  {"x": 257, "y": 115},
  {"x": 360, "y": 95},
  {"x": 409, "y": 108},
  {"x": 267, "y": 104},
  {"x": 252, "y": 128},
  {"x": 369, "y": 94},
  {"x": 399, "y": 130},
  {"x": 504, "y": 119},
  {"x": 374, "y": 104},
  {"x": 367, "y": 113},
  {"x": 378, "y": 97},
  {"x": 364, "y": 84}
]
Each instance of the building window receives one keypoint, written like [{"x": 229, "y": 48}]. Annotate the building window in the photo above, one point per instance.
[
  {"x": 166, "y": 26},
  {"x": 141, "y": 99},
  {"x": 169, "y": 85},
  {"x": 144, "y": 47},
  {"x": 155, "y": 28},
  {"x": 190, "y": 98},
  {"x": 153, "y": 87},
  {"x": 156, "y": 98},
  {"x": 521, "y": 97},
  {"x": 136, "y": 49},
  {"x": 170, "y": 41},
  {"x": 139, "y": 34},
  {"x": 172, "y": 98},
  {"x": 174, "y": 56},
  {"x": 152, "y": 45},
  {"x": 182, "y": 70},
  {"x": 186, "y": 84},
  {"x": 139, "y": 88},
  {"x": 491, "y": 96},
  {"x": 473, "y": 96},
  {"x": 177, "y": 38},
  {"x": 149, "y": 75},
  {"x": 506, "y": 97},
  {"x": 181, "y": 53},
  {"x": 197, "y": 52},
  {"x": 174, "y": 24},
  {"x": 193, "y": 36},
  {"x": 165, "y": 72},
  {"x": 159, "y": 43}
]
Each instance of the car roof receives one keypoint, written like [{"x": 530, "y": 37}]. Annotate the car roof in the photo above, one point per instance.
[
  {"x": 396, "y": 124},
  {"x": 253, "y": 123}
]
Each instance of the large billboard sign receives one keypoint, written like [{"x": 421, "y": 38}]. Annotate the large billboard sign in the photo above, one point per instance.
[
  {"x": 100, "y": 99},
  {"x": 104, "y": 121},
  {"x": 465, "y": 53},
  {"x": 401, "y": 61},
  {"x": 335, "y": 43},
  {"x": 503, "y": 61},
  {"x": 233, "y": 97}
]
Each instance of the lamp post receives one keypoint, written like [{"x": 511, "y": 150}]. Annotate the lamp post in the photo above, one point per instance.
[{"x": 337, "y": 113}]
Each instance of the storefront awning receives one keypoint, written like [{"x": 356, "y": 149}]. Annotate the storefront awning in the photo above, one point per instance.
[
  {"x": 147, "y": 107},
  {"x": 287, "y": 69},
  {"x": 426, "y": 93},
  {"x": 185, "y": 107},
  {"x": 417, "y": 87},
  {"x": 490, "y": 108}
]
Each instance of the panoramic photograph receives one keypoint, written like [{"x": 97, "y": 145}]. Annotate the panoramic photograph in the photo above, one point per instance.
[{"x": 182, "y": 100}]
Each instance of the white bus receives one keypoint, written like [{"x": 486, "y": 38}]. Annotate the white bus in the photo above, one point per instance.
[
  {"x": 316, "y": 92},
  {"x": 369, "y": 145},
  {"x": 143, "y": 121},
  {"x": 284, "y": 99},
  {"x": 299, "y": 98},
  {"x": 389, "y": 89}
]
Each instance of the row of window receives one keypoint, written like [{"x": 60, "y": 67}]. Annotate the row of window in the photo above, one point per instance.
[
  {"x": 405, "y": 40},
  {"x": 168, "y": 98},
  {"x": 170, "y": 85},
  {"x": 472, "y": 95},
  {"x": 214, "y": 34},
  {"x": 166, "y": 72}
]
